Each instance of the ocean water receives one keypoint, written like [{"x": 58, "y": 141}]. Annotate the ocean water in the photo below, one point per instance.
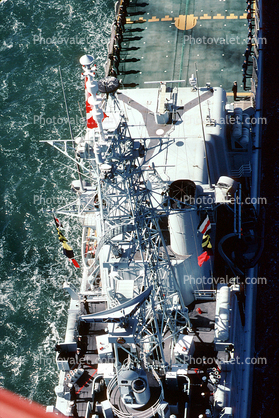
[
  {"x": 36, "y": 38},
  {"x": 265, "y": 402}
]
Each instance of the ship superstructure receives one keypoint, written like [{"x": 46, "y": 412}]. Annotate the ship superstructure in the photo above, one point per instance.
[{"x": 169, "y": 236}]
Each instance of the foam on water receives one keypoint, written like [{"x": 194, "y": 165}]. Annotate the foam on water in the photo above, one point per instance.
[{"x": 37, "y": 38}]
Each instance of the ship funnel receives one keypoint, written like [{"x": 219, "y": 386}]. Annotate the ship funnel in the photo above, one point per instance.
[{"x": 86, "y": 60}]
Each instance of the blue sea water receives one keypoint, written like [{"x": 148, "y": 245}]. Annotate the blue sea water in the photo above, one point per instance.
[
  {"x": 36, "y": 38},
  {"x": 265, "y": 402}
]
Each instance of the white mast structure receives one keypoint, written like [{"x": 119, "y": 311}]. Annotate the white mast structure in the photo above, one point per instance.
[{"x": 130, "y": 243}]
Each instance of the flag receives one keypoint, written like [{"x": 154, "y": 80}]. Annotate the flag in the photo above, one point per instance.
[
  {"x": 61, "y": 236},
  {"x": 91, "y": 123},
  {"x": 206, "y": 244},
  {"x": 202, "y": 258},
  {"x": 207, "y": 247},
  {"x": 75, "y": 263},
  {"x": 57, "y": 222},
  {"x": 204, "y": 225},
  {"x": 67, "y": 249}
]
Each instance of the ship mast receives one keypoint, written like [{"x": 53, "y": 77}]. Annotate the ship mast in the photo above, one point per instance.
[{"x": 202, "y": 125}]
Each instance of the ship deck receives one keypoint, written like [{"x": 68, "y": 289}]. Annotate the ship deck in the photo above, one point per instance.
[
  {"x": 202, "y": 316},
  {"x": 165, "y": 41}
]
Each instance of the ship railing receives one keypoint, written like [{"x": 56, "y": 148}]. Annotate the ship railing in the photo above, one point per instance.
[
  {"x": 244, "y": 170},
  {"x": 205, "y": 294},
  {"x": 117, "y": 230},
  {"x": 149, "y": 412},
  {"x": 88, "y": 410}
]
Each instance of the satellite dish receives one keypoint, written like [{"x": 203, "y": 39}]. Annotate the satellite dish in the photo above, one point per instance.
[
  {"x": 108, "y": 85},
  {"x": 86, "y": 60}
]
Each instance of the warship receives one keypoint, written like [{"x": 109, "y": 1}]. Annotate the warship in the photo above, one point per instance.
[{"x": 167, "y": 193}]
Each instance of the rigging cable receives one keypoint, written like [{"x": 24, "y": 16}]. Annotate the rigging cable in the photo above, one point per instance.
[
  {"x": 70, "y": 126},
  {"x": 203, "y": 133}
]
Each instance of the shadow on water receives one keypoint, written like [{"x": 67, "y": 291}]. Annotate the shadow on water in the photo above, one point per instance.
[
  {"x": 129, "y": 72},
  {"x": 140, "y": 12},
  {"x": 265, "y": 401},
  {"x": 135, "y": 30},
  {"x": 142, "y": 4},
  {"x": 130, "y": 59},
  {"x": 132, "y": 48},
  {"x": 130, "y": 85},
  {"x": 134, "y": 38}
]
